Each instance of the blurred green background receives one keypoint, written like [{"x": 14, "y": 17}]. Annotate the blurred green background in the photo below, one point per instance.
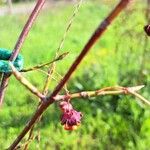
[{"x": 121, "y": 57}]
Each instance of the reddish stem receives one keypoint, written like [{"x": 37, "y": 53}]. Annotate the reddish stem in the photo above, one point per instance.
[
  {"x": 19, "y": 44},
  {"x": 97, "y": 34}
]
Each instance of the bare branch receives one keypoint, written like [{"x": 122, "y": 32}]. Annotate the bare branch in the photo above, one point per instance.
[
  {"x": 105, "y": 91},
  {"x": 140, "y": 97},
  {"x": 97, "y": 34},
  {"x": 53, "y": 66},
  {"x": 19, "y": 44},
  {"x": 60, "y": 57},
  {"x": 26, "y": 83}
]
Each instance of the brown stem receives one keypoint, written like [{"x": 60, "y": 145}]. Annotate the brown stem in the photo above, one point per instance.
[
  {"x": 60, "y": 57},
  {"x": 97, "y": 34},
  {"x": 19, "y": 44}
]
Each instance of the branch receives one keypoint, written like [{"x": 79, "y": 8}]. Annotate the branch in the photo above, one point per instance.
[
  {"x": 26, "y": 83},
  {"x": 19, "y": 44},
  {"x": 53, "y": 66},
  {"x": 97, "y": 34},
  {"x": 60, "y": 57},
  {"x": 140, "y": 97},
  {"x": 106, "y": 91}
]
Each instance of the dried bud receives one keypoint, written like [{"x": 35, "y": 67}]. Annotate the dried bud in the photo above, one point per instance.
[
  {"x": 70, "y": 118},
  {"x": 147, "y": 29}
]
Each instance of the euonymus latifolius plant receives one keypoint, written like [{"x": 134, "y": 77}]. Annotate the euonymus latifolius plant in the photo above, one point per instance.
[{"x": 12, "y": 63}]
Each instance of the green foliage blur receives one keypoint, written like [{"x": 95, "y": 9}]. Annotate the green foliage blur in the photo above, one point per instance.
[{"x": 121, "y": 57}]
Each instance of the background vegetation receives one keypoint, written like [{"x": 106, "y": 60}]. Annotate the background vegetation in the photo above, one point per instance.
[{"x": 119, "y": 58}]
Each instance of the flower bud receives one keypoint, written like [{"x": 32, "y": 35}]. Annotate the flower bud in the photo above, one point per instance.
[{"x": 70, "y": 118}]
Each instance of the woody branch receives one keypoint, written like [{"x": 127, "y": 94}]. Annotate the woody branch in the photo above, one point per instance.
[
  {"x": 19, "y": 43},
  {"x": 85, "y": 94},
  {"x": 106, "y": 91},
  {"x": 97, "y": 34}
]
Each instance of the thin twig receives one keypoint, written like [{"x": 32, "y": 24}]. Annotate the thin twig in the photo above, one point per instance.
[
  {"x": 140, "y": 97},
  {"x": 19, "y": 44},
  {"x": 30, "y": 138},
  {"x": 65, "y": 86},
  {"x": 106, "y": 91},
  {"x": 60, "y": 57},
  {"x": 26, "y": 83},
  {"x": 76, "y": 10},
  {"x": 97, "y": 34},
  {"x": 53, "y": 66}
]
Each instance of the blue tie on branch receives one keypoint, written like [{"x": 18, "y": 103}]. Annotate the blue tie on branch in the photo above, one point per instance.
[{"x": 4, "y": 64}]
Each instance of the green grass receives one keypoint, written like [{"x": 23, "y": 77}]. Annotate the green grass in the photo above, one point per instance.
[{"x": 119, "y": 58}]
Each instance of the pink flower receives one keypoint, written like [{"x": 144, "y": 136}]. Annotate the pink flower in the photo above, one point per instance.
[
  {"x": 70, "y": 118},
  {"x": 65, "y": 106}
]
